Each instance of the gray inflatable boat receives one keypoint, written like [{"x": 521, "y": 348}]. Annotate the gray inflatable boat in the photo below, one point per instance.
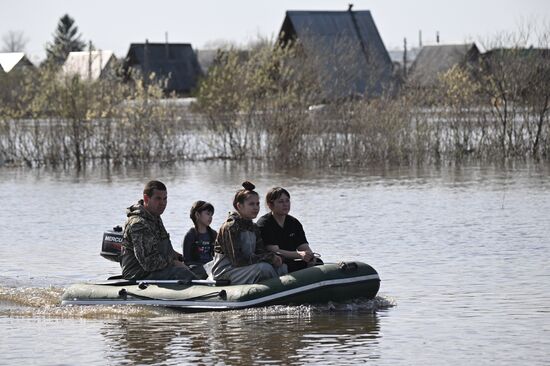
[{"x": 329, "y": 282}]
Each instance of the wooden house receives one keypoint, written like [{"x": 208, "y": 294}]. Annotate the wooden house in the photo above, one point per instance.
[
  {"x": 345, "y": 47},
  {"x": 174, "y": 63}
]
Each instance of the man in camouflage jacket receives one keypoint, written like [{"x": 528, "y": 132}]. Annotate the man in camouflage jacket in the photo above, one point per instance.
[{"x": 147, "y": 251}]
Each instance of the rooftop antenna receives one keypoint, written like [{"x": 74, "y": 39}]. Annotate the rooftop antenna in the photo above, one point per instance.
[
  {"x": 146, "y": 62},
  {"x": 166, "y": 45}
]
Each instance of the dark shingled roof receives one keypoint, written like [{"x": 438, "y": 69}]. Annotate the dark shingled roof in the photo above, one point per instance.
[
  {"x": 432, "y": 61},
  {"x": 537, "y": 54},
  {"x": 176, "y": 62},
  {"x": 347, "y": 46}
]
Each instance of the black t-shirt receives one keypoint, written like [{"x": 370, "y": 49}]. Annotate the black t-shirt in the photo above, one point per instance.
[{"x": 289, "y": 237}]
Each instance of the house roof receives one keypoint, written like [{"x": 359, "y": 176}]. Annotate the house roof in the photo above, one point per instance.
[
  {"x": 517, "y": 52},
  {"x": 88, "y": 63},
  {"x": 432, "y": 61},
  {"x": 9, "y": 60},
  {"x": 347, "y": 45},
  {"x": 176, "y": 62}
]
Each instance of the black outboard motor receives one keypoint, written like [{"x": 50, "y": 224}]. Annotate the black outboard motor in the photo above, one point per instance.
[{"x": 111, "y": 248}]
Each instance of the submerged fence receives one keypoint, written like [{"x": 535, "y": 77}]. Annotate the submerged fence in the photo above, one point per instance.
[{"x": 360, "y": 135}]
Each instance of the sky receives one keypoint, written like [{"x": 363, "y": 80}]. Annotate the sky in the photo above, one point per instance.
[{"x": 114, "y": 24}]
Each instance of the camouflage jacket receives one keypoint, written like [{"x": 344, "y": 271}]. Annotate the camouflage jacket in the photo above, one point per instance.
[
  {"x": 147, "y": 246},
  {"x": 227, "y": 242}
]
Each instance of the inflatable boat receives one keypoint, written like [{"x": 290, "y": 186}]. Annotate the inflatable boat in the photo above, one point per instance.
[{"x": 320, "y": 284}]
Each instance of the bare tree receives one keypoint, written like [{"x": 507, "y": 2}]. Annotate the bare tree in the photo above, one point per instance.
[{"x": 14, "y": 41}]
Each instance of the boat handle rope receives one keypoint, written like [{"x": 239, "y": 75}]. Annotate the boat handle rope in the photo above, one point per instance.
[
  {"x": 144, "y": 283},
  {"x": 123, "y": 293},
  {"x": 348, "y": 267}
]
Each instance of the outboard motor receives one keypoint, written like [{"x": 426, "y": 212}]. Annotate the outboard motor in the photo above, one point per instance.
[{"x": 111, "y": 248}]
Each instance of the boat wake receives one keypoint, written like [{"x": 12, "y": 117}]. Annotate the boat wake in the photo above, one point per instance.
[
  {"x": 357, "y": 305},
  {"x": 46, "y": 302}
]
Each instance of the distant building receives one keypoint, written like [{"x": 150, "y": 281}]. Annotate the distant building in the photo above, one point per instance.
[
  {"x": 498, "y": 55},
  {"x": 206, "y": 59},
  {"x": 91, "y": 65},
  {"x": 210, "y": 58},
  {"x": 433, "y": 61},
  {"x": 345, "y": 47},
  {"x": 14, "y": 61},
  {"x": 175, "y": 63},
  {"x": 396, "y": 56}
]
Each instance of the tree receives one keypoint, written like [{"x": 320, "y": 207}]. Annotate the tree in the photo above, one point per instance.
[
  {"x": 14, "y": 41},
  {"x": 66, "y": 39}
]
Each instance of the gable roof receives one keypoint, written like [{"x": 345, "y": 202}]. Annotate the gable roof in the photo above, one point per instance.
[
  {"x": 351, "y": 55},
  {"x": 92, "y": 64},
  {"x": 432, "y": 61},
  {"x": 175, "y": 62},
  {"x": 14, "y": 60}
]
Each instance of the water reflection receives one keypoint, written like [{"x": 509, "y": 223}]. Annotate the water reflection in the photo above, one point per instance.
[{"x": 289, "y": 336}]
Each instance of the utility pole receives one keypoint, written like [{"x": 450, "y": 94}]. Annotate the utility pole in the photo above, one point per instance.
[
  {"x": 100, "y": 63},
  {"x": 146, "y": 68},
  {"x": 404, "y": 58},
  {"x": 89, "y": 60}
]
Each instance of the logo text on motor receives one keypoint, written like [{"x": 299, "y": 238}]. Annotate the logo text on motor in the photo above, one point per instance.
[{"x": 117, "y": 239}]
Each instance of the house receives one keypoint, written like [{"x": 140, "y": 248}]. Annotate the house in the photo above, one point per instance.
[
  {"x": 14, "y": 61},
  {"x": 398, "y": 56},
  {"x": 90, "y": 65},
  {"x": 526, "y": 57},
  {"x": 174, "y": 63},
  {"x": 433, "y": 61},
  {"x": 528, "y": 69},
  {"x": 207, "y": 59},
  {"x": 344, "y": 48}
]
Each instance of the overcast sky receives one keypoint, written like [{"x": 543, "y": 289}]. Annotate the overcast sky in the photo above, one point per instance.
[{"x": 114, "y": 24}]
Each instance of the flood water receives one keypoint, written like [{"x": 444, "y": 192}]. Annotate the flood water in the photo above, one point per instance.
[{"x": 462, "y": 253}]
